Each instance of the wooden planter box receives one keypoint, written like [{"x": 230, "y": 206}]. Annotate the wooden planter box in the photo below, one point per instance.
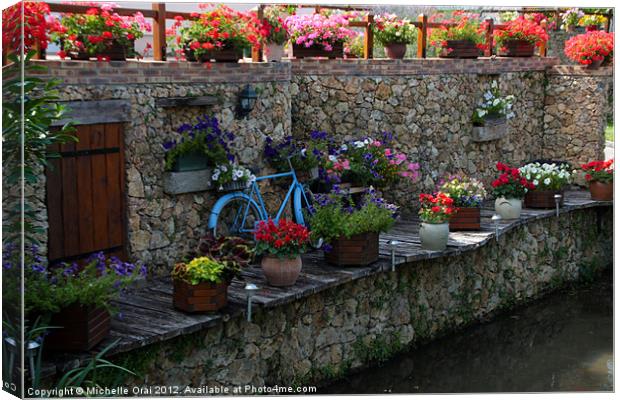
[
  {"x": 225, "y": 55},
  {"x": 83, "y": 327},
  {"x": 318, "y": 51},
  {"x": 542, "y": 198},
  {"x": 460, "y": 49},
  {"x": 116, "y": 52},
  {"x": 467, "y": 218},
  {"x": 360, "y": 249},
  {"x": 493, "y": 129},
  {"x": 517, "y": 48},
  {"x": 190, "y": 162},
  {"x": 187, "y": 182},
  {"x": 205, "y": 296}
]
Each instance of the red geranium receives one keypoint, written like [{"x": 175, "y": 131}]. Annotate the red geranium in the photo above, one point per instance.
[
  {"x": 599, "y": 171},
  {"x": 521, "y": 29},
  {"x": 436, "y": 209},
  {"x": 284, "y": 239},
  {"x": 34, "y": 26},
  {"x": 590, "y": 46},
  {"x": 510, "y": 183}
]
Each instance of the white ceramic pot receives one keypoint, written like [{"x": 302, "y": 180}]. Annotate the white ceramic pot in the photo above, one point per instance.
[
  {"x": 508, "y": 208},
  {"x": 273, "y": 52},
  {"x": 434, "y": 236}
]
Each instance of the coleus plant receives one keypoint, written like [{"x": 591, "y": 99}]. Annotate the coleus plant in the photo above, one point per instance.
[
  {"x": 97, "y": 30},
  {"x": 233, "y": 252}
]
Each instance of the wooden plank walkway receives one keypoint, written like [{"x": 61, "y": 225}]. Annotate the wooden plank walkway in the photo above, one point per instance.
[{"x": 147, "y": 316}]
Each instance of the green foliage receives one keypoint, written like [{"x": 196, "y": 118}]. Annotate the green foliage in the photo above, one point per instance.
[
  {"x": 195, "y": 143},
  {"x": 378, "y": 350},
  {"x": 201, "y": 269},
  {"x": 493, "y": 105},
  {"x": 233, "y": 252},
  {"x": 389, "y": 29}
]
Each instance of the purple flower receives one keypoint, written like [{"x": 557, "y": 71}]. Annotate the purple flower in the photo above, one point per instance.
[
  {"x": 184, "y": 128},
  {"x": 318, "y": 135},
  {"x": 169, "y": 145}
]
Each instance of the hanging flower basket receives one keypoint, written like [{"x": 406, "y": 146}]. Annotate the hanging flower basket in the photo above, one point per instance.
[
  {"x": 300, "y": 51},
  {"x": 232, "y": 186},
  {"x": 460, "y": 49},
  {"x": 493, "y": 129},
  {"x": 360, "y": 249},
  {"x": 83, "y": 327}
]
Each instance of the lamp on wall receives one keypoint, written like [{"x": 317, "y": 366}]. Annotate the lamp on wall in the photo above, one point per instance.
[{"x": 247, "y": 100}]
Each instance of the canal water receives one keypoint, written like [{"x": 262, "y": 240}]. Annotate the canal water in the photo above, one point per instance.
[{"x": 563, "y": 342}]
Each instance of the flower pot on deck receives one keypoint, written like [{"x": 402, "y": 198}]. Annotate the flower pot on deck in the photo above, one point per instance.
[
  {"x": 517, "y": 48},
  {"x": 281, "y": 271},
  {"x": 542, "y": 198},
  {"x": 434, "y": 236},
  {"x": 508, "y": 208},
  {"x": 203, "y": 297},
  {"x": 465, "y": 219},
  {"x": 595, "y": 64},
  {"x": 395, "y": 51},
  {"x": 602, "y": 191},
  {"x": 301, "y": 51},
  {"x": 82, "y": 328},
  {"x": 460, "y": 49},
  {"x": 362, "y": 249}
]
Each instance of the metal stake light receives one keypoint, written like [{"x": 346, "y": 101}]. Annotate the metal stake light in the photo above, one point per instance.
[
  {"x": 250, "y": 288},
  {"x": 392, "y": 244},
  {"x": 558, "y": 198},
  {"x": 496, "y": 218}
]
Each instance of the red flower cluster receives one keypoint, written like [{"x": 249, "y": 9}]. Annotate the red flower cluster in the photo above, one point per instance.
[
  {"x": 510, "y": 183},
  {"x": 590, "y": 46},
  {"x": 283, "y": 238},
  {"x": 34, "y": 26},
  {"x": 524, "y": 29},
  {"x": 599, "y": 171},
  {"x": 436, "y": 209}
]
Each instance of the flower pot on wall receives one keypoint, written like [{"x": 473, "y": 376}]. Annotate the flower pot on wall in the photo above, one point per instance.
[
  {"x": 83, "y": 327},
  {"x": 362, "y": 249},
  {"x": 273, "y": 52},
  {"x": 508, "y": 208},
  {"x": 542, "y": 198},
  {"x": 281, "y": 271},
  {"x": 493, "y": 129},
  {"x": 466, "y": 219},
  {"x": 434, "y": 236},
  {"x": 187, "y": 181},
  {"x": 595, "y": 64},
  {"x": 517, "y": 48},
  {"x": 395, "y": 51},
  {"x": 203, "y": 297},
  {"x": 602, "y": 191},
  {"x": 115, "y": 52},
  {"x": 223, "y": 55},
  {"x": 190, "y": 162},
  {"x": 460, "y": 49},
  {"x": 301, "y": 51}
]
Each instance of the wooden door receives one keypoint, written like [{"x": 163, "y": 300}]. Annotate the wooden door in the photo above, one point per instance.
[{"x": 85, "y": 195}]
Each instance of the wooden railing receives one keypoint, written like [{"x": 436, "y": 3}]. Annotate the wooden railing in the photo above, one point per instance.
[{"x": 159, "y": 15}]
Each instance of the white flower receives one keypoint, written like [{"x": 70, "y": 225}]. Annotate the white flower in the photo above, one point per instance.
[
  {"x": 224, "y": 168},
  {"x": 303, "y": 152},
  {"x": 494, "y": 84},
  {"x": 344, "y": 147},
  {"x": 481, "y": 113},
  {"x": 488, "y": 95},
  {"x": 495, "y": 102},
  {"x": 535, "y": 182},
  {"x": 547, "y": 181},
  {"x": 528, "y": 177},
  {"x": 332, "y": 158}
]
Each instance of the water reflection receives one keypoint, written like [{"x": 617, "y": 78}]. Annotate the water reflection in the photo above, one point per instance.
[{"x": 563, "y": 342}]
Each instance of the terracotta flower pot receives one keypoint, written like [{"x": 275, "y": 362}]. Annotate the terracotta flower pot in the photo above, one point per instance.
[
  {"x": 395, "y": 51},
  {"x": 508, "y": 208},
  {"x": 543, "y": 198},
  {"x": 602, "y": 191},
  {"x": 595, "y": 64},
  {"x": 434, "y": 236},
  {"x": 466, "y": 219},
  {"x": 281, "y": 271}
]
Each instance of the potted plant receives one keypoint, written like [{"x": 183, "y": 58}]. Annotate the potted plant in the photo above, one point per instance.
[
  {"x": 600, "y": 176},
  {"x": 509, "y": 190},
  {"x": 590, "y": 49},
  {"x": 304, "y": 159},
  {"x": 570, "y": 19},
  {"x": 34, "y": 25},
  {"x": 592, "y": 22},
  {"x": 100, "y": 33},
  {"x": 520, "y": 37},
  {"x": 548, "y": 179},
  {"x": 468, "y": 195},
  {"x": 221, "y": 34},
  {"x": 229, "y": 177},
  {"x": 354, "y": 47},
  {"x": 491, "y": 114},
  {"x": 76, "y": 299},
  {"x": 435, "y": 211},
  {"x": 394, "y": 34},
  {"x": 463, "y": 39},
  {"x": 318, "y": 35},
  {"x": 351, "y": 232},
  {"x": 190, "y": 157},
  {"x": 281, "y": 245},
  {"x": 274, "y": 32}
]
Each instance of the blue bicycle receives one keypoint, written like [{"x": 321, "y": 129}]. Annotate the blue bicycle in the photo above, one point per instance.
[{"x": 238, "y": 213}]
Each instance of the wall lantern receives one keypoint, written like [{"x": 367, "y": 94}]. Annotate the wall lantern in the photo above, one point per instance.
[{"x": 247, "y": 100}]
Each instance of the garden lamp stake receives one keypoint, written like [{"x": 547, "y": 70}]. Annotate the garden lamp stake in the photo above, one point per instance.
[
  {"x": 496, "y": 218},
  {"x": 250, "y": 288},
  {"x": 393, "y": 244},
  {"x": 31, "y": 351},
  {"x": 557, "y": 198}
]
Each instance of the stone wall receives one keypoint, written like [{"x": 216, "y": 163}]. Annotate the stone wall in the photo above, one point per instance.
[
  {"x": 576, "y": 106},
  {"x": 322, "y": 336}
]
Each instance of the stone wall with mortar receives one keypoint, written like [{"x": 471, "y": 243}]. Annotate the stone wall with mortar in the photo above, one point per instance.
[
  {"x": 576, "y": 107},
  {"x": 326, "y": 334}
]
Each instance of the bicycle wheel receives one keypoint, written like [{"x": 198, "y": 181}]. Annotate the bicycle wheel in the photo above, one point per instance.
[
  {"x": 301, "y": 209},
  {"x": 231, "y": 218}
]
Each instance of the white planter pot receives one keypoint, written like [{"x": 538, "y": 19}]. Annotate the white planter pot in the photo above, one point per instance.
[
  {"x": 508, "y": 208},
  {"x": 273, "y": 52},
  {"x": 434, "y": 236}
]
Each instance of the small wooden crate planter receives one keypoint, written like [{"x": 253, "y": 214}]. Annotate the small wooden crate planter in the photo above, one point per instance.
[
  {"x": 466, "y": 219},
  {"x": 83, "y": 327},
  {"x": 517, "y": 48},
  {"x": 226, "y": 55},
  {"x": 300, "y": 51},
  {"x": 360, "y": 249},
  {"x": 203, "y": 297},
  {"x": 116, "y": 52},
  {"x": 460, "y": 49},
  {"x": 542, "y": 198}
]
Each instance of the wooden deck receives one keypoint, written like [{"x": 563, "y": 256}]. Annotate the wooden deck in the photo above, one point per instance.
[{"x": 147, "y": 316}]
